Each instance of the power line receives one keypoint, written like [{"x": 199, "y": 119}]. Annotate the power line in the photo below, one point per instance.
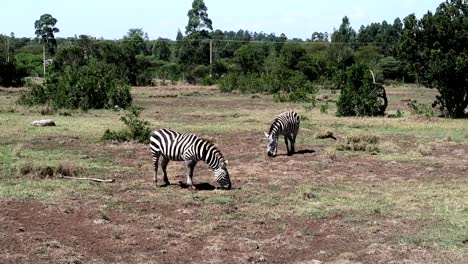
[{"x": 305, "y": 42}]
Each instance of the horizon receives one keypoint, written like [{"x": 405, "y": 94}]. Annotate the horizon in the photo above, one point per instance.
[{"x": 295, "y": 21}]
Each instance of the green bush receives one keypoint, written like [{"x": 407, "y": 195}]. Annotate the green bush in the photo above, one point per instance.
[
  {"x": 228, "y": 83},
  {"x": 421, "y": 109},
  {"x": 360, "y": 96},
  {"x": 28, "y": 63},
  {"x": 286, "y": 86},
  {"x": 197, "y": 74},
  {"x": 137, "y": 130},
  {"x": 36, "y": 95},
  {"x": 92, "y": 86},
  {"x": 10, "y": 75},
  {"x": 324, "y": 108}
]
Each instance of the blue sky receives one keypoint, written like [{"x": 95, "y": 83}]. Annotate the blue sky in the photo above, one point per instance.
[{"x": 162, "y": 18}]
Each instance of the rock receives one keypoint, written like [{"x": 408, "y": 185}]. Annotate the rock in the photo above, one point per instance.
[
  {"x": 45, "y": 122},
  {"x": 101, "y": 221}
]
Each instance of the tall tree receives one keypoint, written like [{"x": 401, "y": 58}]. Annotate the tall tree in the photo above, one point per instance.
[
  {"x": 341, "y": 53},
  {"x": 199, "y": 24},
  {"x": 345, "y": 33},
  {"x": 45, "y": 30},
  {"x": 194, "y": 50},
  {"x": 437, "y": 48}
]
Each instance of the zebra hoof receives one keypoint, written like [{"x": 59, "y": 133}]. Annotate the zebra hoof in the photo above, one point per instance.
[{"x": 166, "y": 184}]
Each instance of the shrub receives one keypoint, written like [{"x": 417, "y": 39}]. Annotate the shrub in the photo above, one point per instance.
[
  {"x": 198, "y": 74},
  {"x": 360, "y": 96},
  {"x": 136, "y": 129},
  {"x": 324, "y": 108},
  {"x": 92, "y": 86},
  {"x": 36, "y": 95},
  {"x": 420, "y": 109}
]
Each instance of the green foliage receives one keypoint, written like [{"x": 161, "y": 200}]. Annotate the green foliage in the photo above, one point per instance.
[
  {"x": 9, "y": 75},
  {"x": 421, "y": 109},
  {"x": 134, "y": 57},
  {"x": 437, "y": 48},
  {"x": 91, "y": 86},
  {"x": 199, "y": 23},
  {"x": 324, "y": 108},
  {"x": 29, "y": 63},
  {"x": 36, "y": 95},
  {"x": 293, "y": 86},
  {"x": 161, "y": 50},
  {"x": 45, "y": 30},
  {"x": 136, "y": 129},
  {"x": 360, "y": 96},
  {"x": 251, "y": 58},
  {"x": 392, "y": 69},
  {"x": 170, "y": 71},
  {"x": 198, "y": 74}
]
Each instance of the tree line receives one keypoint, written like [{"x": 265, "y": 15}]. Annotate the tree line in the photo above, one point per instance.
[{"x": 430, "y": 51}]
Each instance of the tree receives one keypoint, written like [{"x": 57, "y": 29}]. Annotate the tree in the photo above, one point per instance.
[
  {"x": 199, "y": 23},
  {"x": 341, "y": 53},
  {"x": 437, "y": 48},
  {"x": 133, "y": 46},
  {"x": 161, "y": 50},
  {"x": 251, "y": 58},
  {"x": 45, "y": 30},
  {"x": 194, "y": 49},
  {"x": 345, "y": 33}
]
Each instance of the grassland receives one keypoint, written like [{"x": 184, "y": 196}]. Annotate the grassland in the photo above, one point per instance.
[{"x": 404, "y": 201}]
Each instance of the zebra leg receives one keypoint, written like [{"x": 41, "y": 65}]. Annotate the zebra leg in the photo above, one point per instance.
[
  {"x": 286, "y": 138},
  {"x": 190, "y": 167},
  {"x": 155, "y": 171},
  {"x": 293, "y": 143},
  {"x": 164, "y": 163}
]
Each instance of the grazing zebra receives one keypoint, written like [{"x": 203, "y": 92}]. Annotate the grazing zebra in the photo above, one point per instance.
[
  {"x": 286, "y": 124},
  {"x": 172, "y": 145}
]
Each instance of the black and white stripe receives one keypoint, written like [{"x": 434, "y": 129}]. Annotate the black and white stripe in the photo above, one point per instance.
[
  {"x": 171, "y": 145},
  {"x": 286, "y": 124}
]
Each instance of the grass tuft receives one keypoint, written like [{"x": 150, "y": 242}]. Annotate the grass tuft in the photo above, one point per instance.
[{"x": 366, "y": 143}]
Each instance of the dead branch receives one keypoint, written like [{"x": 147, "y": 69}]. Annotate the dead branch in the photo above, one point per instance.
[
  {"x": 89, "y": 179},
  {"x": 373, "y": 76}
]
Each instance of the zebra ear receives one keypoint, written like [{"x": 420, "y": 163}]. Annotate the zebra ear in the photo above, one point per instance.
[
  {"x": 266, "y": 134},
  {"x": 227, "y": 162}
]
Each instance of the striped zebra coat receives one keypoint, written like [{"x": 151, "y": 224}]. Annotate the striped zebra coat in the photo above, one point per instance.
[
  {"x": 171, "y": 145},
  {"x": 286, "y": 124}
]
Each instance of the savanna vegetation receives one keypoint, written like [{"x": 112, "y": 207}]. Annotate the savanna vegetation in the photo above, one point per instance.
[
  {"x": 429, "y": 51},
  {"x": 379, "y": 175}
]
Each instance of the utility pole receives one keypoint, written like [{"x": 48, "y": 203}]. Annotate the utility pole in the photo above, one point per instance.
[
  {"x": 211, "y": 55},
  {"x": 43, "y": 57}
]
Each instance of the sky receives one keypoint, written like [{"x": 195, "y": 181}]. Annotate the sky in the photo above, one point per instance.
[{"x": 162, "y": 18}]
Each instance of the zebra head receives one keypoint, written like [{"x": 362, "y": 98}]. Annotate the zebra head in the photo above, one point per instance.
[
  {"x": 222, "y": 175},
  {"x": 272, "y": 144}
]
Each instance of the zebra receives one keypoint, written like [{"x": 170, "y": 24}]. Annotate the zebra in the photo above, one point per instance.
[
  {"x": 286, "y": 124},
  {"x": 172, "y": 145}
]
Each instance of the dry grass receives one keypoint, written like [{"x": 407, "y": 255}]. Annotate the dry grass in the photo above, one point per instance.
[
  {"x": 361, "y": 142},
  {"x": 424, "y": 150}
]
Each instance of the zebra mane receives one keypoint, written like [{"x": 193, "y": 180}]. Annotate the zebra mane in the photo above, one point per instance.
[
  {"x": 274, "y": 124},
  {"x": 209, "y": 144}
]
